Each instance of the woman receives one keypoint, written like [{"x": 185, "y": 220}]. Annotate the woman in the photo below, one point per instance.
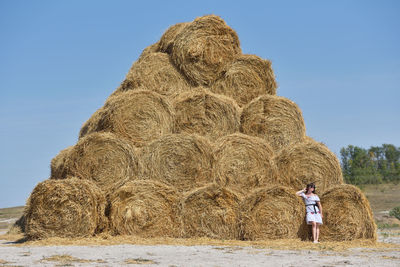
[{"x": 313, "y": 209}]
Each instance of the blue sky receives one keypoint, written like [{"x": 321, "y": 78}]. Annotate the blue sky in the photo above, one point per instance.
[{"x": 59, "y": 60}]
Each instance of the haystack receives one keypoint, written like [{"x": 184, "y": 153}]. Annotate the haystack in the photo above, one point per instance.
[
  {"x": 65, "y": 208},
  {"x": 57, "y": 163},
  {"x": 167, "y": 40},
  {"x": 203, "y": 47},
  {"x": 90, "y": 126},
  {"x": 276, "y": 119},
  {"x": 107, "y": 160},
  {"x": 207, "y": 114},
  {"x": 210, "y": 211},
  {"x": 180, "y": 160},
  {"x": 307, "y": 162},
  {"x": 154, "y": 72},
  {"x": 149, "y": 50},
  {"x": 246, "y": 78},
  {"x": 145, "y": 208},
  {"x": 347, "y": 215},
  {"x": 243, "y": 163},
  {"x": 140, "y": 116},
  {"x": 271, "y": 213}
]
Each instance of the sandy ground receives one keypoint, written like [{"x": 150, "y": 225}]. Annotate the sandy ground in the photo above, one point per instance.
[{"x": 197, "y": 255}]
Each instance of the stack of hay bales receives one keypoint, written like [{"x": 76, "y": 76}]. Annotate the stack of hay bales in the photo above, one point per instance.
[{"x": 195, "y": 143}]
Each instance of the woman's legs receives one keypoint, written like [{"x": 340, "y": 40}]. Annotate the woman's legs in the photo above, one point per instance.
[
  {"x": 317, "y": 231},
  {"x": 314, "y": 230}
]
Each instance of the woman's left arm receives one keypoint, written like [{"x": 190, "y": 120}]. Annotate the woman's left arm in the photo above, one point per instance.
[{"x": 320, "y": 208}]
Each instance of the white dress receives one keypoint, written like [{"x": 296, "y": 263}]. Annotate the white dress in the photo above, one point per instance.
[{"x": 313, "y": 213}]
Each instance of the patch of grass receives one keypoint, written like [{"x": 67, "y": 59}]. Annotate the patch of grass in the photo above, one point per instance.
[
  {"x": 387, "y": 225},
  {"x": 139, "y": 261},
  {"x": 382, "y": 197},
  {"x": 67, "y": 260},
  {"x": 9, "y": 213}
]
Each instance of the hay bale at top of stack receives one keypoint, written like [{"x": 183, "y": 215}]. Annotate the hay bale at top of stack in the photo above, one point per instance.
[
  {"x": 271, "y": 213},
  {"x": 246, "y": 78},
  {"x": 307, "y": 162},
  {"x": 180, "y": 160},
  {"x": 65, "y": 208},
  {"x": 210, "y": 211},
  {"x": 243, "y": 163},
  {"x": 168, "y": 38},
  {"x": 276, "y": 119},
  {"x": 203, "y": 47},
  {"x": 207, "y": 114},
  {"x": 347, "y": 215},
  {"x": 91, "y": 124},
  {"x": 140, "y": 116},
  {"x": 154, "y": 72},
  {"x": 145, "y": 208},
  {"x": 104, "y": 158},
  {"x": 153, "y": 48},
  {"x": 57, "y": 163}
]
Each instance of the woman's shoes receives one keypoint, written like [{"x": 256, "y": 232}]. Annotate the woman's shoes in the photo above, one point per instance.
[{"x": 315, "y": 241}]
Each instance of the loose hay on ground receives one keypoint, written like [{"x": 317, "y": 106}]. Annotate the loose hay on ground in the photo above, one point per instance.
[
  {"x": 167, "y": 40},
  {"x": 140, "y": 116},
  {"x": 65, "y": 208},
  {"x": 203, "y": 47},
  {"x": 103, "y": 158},
  {"x": 243, "y": 163},
  {"x": 347, "y": 215},
  {"x": 154, "y": 72},
  {"x": 145, "y": 208},
  {"x": 207, "y": 114},
  {"x": 57, "y": 163},
  {"x": 246, "y": 78},
  {"x": 182, "y": 161},
  {"x": 276, "y": 119},
  {"x": 307, "y": 162},
  {"x": 271, "y": 213},
  {"x": 210, "y": 211}
]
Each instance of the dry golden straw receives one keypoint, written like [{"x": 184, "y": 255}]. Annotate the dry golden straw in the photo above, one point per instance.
[
  {"x": 150, "y": 49},
  {"x": 154, "y": 72},
  {"x": 168, "y": 38},
  {"x": 65, "y": 208},
  {"x": 243, "y": 163},
  {"x": 203, "y": 47},
  {"x": 347, "y": 215},
  {"x": 145, "y": 208},
  {"x": 207, "y": 114},
  {"x": 271, "y": 213},
  {"x": 276, "y": 119},
  {"x": 180, "y": 160},
  {"x": 307, "y": 162},
  {"x": 91, "y": 124},
  {"x": 103, "y": 158},
  {"x": 57, "y": 163},
  {"x": 210, "y": 211},
  {"x": 246, "y": 78},
  {"x": 139, "y": 116}
]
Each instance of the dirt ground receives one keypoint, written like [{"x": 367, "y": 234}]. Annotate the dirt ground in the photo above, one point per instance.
[{"x": 385, "y": 253}]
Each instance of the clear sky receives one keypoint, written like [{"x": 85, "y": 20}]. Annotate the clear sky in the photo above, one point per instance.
[{"x": 59, "y": 61}]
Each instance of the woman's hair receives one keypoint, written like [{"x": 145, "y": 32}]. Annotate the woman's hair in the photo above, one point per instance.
[{"x": 310, "y": 185}]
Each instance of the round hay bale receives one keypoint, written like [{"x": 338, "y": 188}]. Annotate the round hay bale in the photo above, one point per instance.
[
  {"x": 145, "y": 208},
  {"x": 149, "y": 50},
  {"x": 308, "y": 162},
  {"x": 276, "y": 119},
  {"x": 65, "y": 208},
  {"x": 168, "y": 38},
  {"x": 203, "y": 47},
  {"x": 140, "y": 116},
  {"x": 154, "y": 72},
  {"x": 271, "y": 213},
  {"x": 103, "y": 158},
  {"x": 91, "y": 124},
  {"x": 57, "y": 163},
  {"x": 211, "y": 211},
  {"x": 243, "y": 163},
  {"x": 179, "y": 160},
  {"x": 246, "y": 78},
  {"x": 347, "y": 215},
  {"x": 207, "y": 114}
]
